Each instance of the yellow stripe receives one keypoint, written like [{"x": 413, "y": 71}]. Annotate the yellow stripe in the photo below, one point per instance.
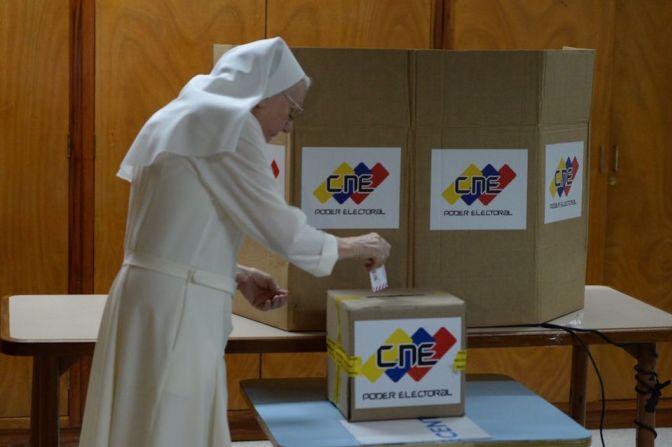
[
  {"x": 351, "y": 364},
  {"x": 344, "y": 363},
  {"x": 460, "y": 363}
]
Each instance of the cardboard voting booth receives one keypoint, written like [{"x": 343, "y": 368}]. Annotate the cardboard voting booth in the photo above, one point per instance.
[{"x": 472, "y": 164}]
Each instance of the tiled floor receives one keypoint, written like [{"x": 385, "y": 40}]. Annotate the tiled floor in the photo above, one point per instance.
[{"x": 612, "y": 438}]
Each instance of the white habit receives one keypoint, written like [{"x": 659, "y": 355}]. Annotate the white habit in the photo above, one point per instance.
[
  {"x": 158, "y": 375},
  {"x": 200, "y": 183}
]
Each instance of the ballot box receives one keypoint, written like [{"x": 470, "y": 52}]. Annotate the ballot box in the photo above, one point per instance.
[{"x": 395, "y": 354}]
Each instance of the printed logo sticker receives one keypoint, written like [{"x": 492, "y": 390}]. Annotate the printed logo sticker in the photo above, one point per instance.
[
  {"x": 354, "y": 184},
  {"x": 351, "y": 187},
  {"x": 478, "y": 189},
  {"x": 476, "y": 184},
  {"x": 402, "y": 354},
  {"x": 408, "y": 365},
  {"x": 564, "y": 181}
]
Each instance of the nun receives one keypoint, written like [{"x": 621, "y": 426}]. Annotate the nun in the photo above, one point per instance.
[{"x": 200, "y": 184}]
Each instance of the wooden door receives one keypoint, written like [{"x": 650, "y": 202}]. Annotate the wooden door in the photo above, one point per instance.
[
  {"x": 638, "y": 252},
  {"x": 545, "y": 24},
  {"x": 33, "y": 171}
]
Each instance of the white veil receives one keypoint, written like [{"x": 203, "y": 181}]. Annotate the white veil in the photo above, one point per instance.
[{"x": 208, "y": 115}]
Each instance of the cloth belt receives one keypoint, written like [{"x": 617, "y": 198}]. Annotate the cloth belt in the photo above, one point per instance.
[{"x": 188, "y": 273}]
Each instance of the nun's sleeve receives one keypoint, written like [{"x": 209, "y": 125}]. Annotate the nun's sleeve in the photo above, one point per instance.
[{"x": 242, "y": 188}]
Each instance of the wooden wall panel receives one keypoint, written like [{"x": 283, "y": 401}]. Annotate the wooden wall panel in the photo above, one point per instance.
[
  {"x": 352, "y": 23},
  {"x": 542, "y": 24},
  {"x": 639, "y": 235},
  {"x": 310, "y": 364},
  {"x": 240, "y": 367},
  {"x": 544, "y": 370},
  {"x": 145, "y": 52},
  {"x": 33, "y": 168},
  {"x": 15, "y": 386}
]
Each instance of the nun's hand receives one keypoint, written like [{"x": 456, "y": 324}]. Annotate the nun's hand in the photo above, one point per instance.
[
  {"x": 260, "y": 289},
  {"x": 370, "y": 247}
]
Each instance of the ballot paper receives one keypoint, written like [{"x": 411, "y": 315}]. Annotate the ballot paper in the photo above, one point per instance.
[
  {"x": 420, "y": 430},
  {"x": 378, "y": 279}
]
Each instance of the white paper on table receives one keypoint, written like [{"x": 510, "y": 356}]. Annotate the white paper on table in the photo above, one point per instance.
[{"x": 415, "y": 430}]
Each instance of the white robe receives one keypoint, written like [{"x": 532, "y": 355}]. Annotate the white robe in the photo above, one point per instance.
[{"x": 158, "y": 376}]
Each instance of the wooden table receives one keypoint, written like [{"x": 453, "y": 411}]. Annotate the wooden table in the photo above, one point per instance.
[
  {"x": 58, "y": 329},
  {"x": 633, "y": 324},
  {"x": 295, "y": 413}
]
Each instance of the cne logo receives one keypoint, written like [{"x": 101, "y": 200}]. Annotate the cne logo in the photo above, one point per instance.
[
  {"x": 564, "y": 177},
  {"x": 348, "y": 183},
  {"x": 402, "y": 354},
  {"x": 479, "y": 184}
]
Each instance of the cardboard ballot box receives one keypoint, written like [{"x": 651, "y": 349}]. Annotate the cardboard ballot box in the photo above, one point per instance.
[
  {"x": 395, "y": 354},
  {"x": 472, "y": 164}
]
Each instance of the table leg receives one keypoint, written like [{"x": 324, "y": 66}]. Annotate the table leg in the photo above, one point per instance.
[
  {"x": 645, "y": 354},
  {"x": 578, "y": 384},
  {"x": 44, "y": 429}
]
